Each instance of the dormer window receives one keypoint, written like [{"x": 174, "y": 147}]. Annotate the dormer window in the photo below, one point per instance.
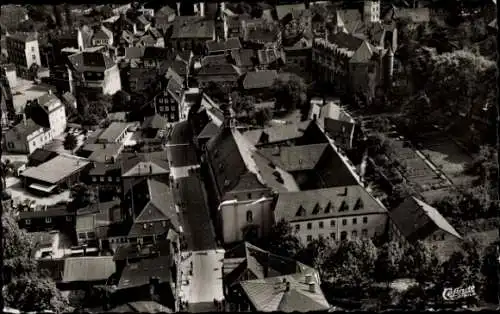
[
  {"x": 316, "y": 209},
  {"x": 301, "y": 211},
  {"x": 343, "y": 207},
  {"x": 359, "y": 204},
  {"x": 328, "y": 207}
]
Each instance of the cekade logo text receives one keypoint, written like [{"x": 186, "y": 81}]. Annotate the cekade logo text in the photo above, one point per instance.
[{"x": 450, "y": 294}]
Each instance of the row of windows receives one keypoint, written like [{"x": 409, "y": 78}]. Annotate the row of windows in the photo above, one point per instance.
[
  {"x": 47, "y": 220},
  {"x": 86, "y": 235},
  {"x": 98, "y": 75},
  {"x": 332, "y": 223},
  {"x": 167, "y": 108},
  {"x": 343, "y": 235},
  {"x": 102, "y": 179}
]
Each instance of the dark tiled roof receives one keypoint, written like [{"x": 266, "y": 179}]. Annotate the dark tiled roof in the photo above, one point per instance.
[
  {"x": 25, "y": 37},
  {"x": 49, "y": 212},
  {"x": 268, "y": 56},
  {"x": 209, "y": 131},
  {"x": 326, "y": 203},
  {"x": 229, "y": 44},
  {"x": 158, "y": 53},
  {"x": 244, "y": 57},
  {"x": 86, "y": 61},
  {"x": 24, "y": 129},
  {"x": 41, "y": 155},
  {"x": 134, "y": 52},
  {"x": 141, "y": 307},
  {"x": 344, "y": 40},
  {"x": 139, "y": 164},
  {"x": 270, "y": 294},
  {"x": 260, "y": 79},
  {"x": 257, "y": 263},
  {"x": 276, "y": 134},
  {"x": 221, "y": 69},
  {"x": 295, "y": 158},
  {"x": 68, "y": 98},
  {"x": 214, "y": 60},
  {"x": 88, "y": 268},
  {"x": 192, "y": 27},
  {"x": 414, "y": 219},
  {"x": 139, "y": 274},
  {"x": 154, "y": 122},
  {"x": 101, "y": 168},
  {"x": 132, "y": 251}
]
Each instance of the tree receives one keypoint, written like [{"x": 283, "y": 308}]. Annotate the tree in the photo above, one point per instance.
[
  {"x": 282, "y": 240},
  {"x": 24, "y": 287},
  {"x": 68, "y": 15},
  {"x": 388, "y": 262},
  {"x": 490, "y": 269},
  {"x": 121, "y": 101},
  {"x": 82, "y": 195},
  {"x": 70, "y": 142},
  {"x": 459, "y": 81},
  {"x": 315, "y": 253},
  {"x": 352, "y": 265},
  {"x": 464, "y": 266},
  {"x": 290, "y": 92},
  {"x": 420, "y": 261},
  {"x": 262, "y": 116}
]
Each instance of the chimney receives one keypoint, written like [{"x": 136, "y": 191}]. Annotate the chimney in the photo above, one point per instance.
[
  {"x": 309, "y": 279},
  {"x": 50, "y": 91},
  {"x": 312, "y": 287},
  {"x": 345, "y": 191},
  {"x": 150, "y": 169}
]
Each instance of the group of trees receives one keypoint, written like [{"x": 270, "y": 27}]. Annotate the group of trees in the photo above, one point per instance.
[
  {"x": 26, "y": 288},
  {"x": 351, "y": 267},
  {"x": 92, "y": 112},
  {"x": 290, "y": 93}
]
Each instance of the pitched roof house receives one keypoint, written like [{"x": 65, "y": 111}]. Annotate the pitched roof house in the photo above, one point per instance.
[
  {"x": 416, "y": 220},
  {"x": 259, "y": 79}
]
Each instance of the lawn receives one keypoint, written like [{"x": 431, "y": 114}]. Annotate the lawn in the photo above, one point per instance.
[{"x": 447, "y": 156}]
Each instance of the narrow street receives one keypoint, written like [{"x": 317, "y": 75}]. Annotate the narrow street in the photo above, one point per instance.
[{"x": 200, "y": 272}]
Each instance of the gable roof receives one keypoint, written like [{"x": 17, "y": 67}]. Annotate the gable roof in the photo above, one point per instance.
[
  {"x": 243, "y": 57},
  {"x": 25, "y": 128},
  {"x": 154, "y": 122},
  {"x": 88, "y": 268},
  {"x": 260, "y": 79},
  {"x": 229, "y": 44},
  {"x": 88, "y": 61},
  {"x": 363, "y": 54},
  {"x": 413, "y": 217},
  {"x": 138, "y": 274},
  {"x": 134, "y": 52},
  {"x": 295, "y": 158},
  {"x": 235, "y": 161},
  {"x": 209, "y": 131},
  {"x": 219, "y": 69},
  {"x": 192, "y": 27},
  {"x": 68, "y": 98},
  {"x": 285, "y": 9},
  {"x": 277, "y": 133},
  {"x": 137, "y": 165},
  {"x": 343, "y": 40},
  {"x": 288, "y": 293},
  {"x": 327, "y": 203},
  {"x": 249, "y": 261}
]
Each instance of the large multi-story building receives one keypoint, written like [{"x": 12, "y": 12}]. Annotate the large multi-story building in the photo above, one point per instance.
[
  {"x": 336, "y": 213},
  {"x": 93, "y": 73},
  {"x": 50, "y": 112},
  {"x": 23, "y": 51}
]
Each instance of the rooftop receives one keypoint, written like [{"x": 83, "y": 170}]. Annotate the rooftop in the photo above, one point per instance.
[
  {"x": 260, "y": 79},
  {"x": 276, "y": 134},
  {"x": 91, "y": 61},
  {"x": 326, "y": 203},
  {"x": 138, "y": 274},
  {"x": 113, "y": 132},
  {"x": 25, "y": 128},
  {"x": 56, "y": 169},
  {"x": 89, "y": 268},
  {"x": 24, "y": 36},
  {"x": 218, "y": 46},
  {"x": 193, "y": 27}
]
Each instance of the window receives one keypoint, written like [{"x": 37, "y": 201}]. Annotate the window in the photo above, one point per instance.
[
  {"x": 10, "y": 145},
  {"x": 172, "y": 116},
  {"x": 321, "y": 225},
  {"x": 117, "y": 179},
  {"x": 332, "y": 223},
  {"x": 332, "y": 235},
  {"x": 364, "y": 233},
  {"x": 354, "y": 221},
  {"x": 309, "y": 226},
  {"x": 102, "y": 179},
  {"x": 69, "y": 218},
  {"x": 249, "y": 196},
  {"x": 82, "y": 236},
  {"x": 442, "y": 236},
  {"x": 28, "y": 221},
  {"x": 365, "y": 220},
  {"x": 309, "y": 238},
  {"x": 344, "y": 222},
  {"x": 110, "y": 179},
  {"x": 167, "y": 108},
  {"x": 48, "y": 220},
  {"x": 249, "y": 216},
  {"x": 354, "y": 234},
  {"x": 33, "y": 57},
  {"x": 343, "y": 235},
  {"x": 297, "y": 227}
]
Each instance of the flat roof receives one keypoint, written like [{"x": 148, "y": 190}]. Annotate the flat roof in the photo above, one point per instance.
[
  {"x": 114, "y": 130},
  {"x": 27, "y": 90},
  {"x": 207, "y": 267},
  {"x": 56, "y": 169}
]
